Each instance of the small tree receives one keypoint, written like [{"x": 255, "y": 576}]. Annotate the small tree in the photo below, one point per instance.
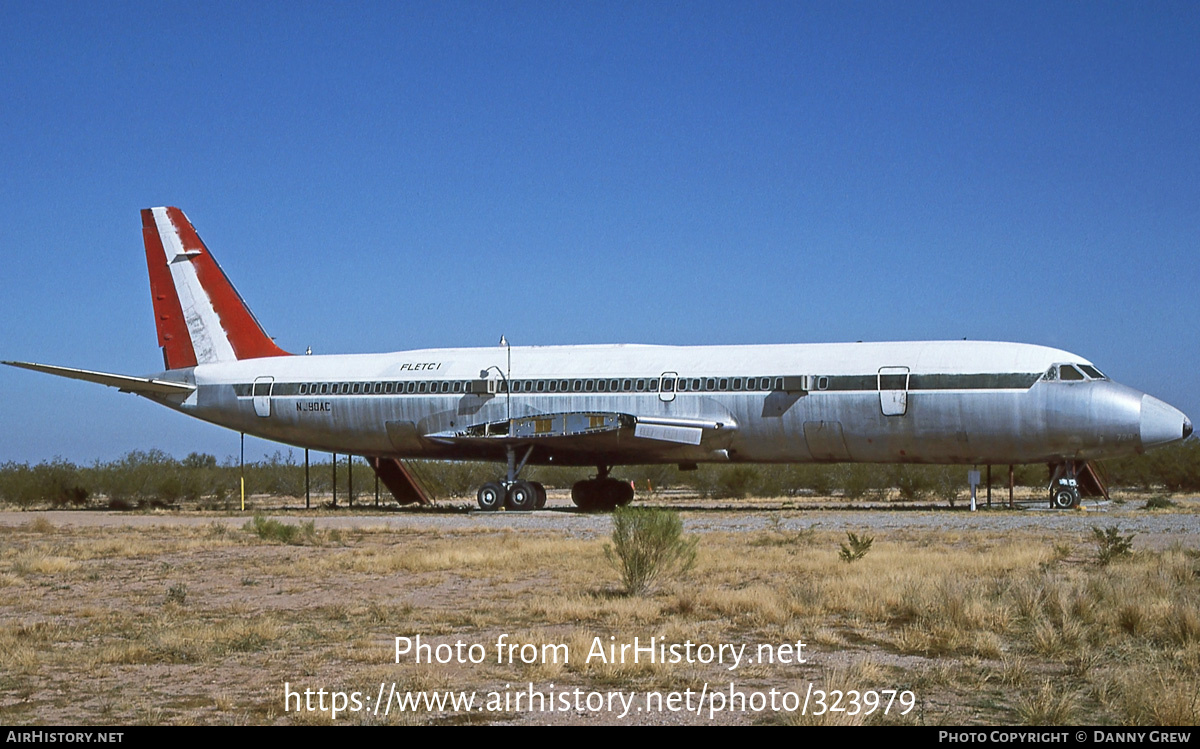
[{"x": 648, "y": 544}]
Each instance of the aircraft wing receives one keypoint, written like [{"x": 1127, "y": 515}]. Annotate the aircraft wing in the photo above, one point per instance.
[
  {"x": 124, "y": 383},
  {"x": 587, "y": 430}
]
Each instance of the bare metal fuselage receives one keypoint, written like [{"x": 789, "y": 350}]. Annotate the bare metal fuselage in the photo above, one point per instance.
[{"x": 918, "y": 402}]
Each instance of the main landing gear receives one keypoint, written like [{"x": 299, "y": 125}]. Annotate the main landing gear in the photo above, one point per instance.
[
  {"x": 601, "y": 493},
  {"x": 519, "y": 496}
]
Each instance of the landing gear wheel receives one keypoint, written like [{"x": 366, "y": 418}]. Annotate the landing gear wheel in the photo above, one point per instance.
[
  {"x": 522, "y": 497},
  {"x": 1064, "y": 498},
  {"x": 541, "y": 495},
  {"x": 490, "y": 497},
  {"x": 585, "y": 495},
  {"x": 604, "y": 495},
  {"x": 622, "y": 493}
]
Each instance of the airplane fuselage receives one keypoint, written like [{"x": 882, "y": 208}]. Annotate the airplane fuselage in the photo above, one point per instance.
[{"x": 918, "y": 402}]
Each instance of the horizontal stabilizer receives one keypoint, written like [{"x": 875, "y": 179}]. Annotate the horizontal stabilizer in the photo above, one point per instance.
[{"x": 124, "y": 383}]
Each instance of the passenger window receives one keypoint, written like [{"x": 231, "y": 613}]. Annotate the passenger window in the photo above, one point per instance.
[
  {"x": 554, "y": 386},
  {"x": 577, "y": 385},
  {"x": 589, "y": 385},
  {"x": 723, "y": 384},
  {"x": 652, "y": 386},
  {"x": 422, "y": 386},
  {"x": 668, "y": 385},
  {"x": 541, "y": 386},
  {"x": 640, "y": 385},
  {"x": 822, "y": 383}
]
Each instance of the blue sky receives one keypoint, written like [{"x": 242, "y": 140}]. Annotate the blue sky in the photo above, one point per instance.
[{"x": 382, "y": 176}]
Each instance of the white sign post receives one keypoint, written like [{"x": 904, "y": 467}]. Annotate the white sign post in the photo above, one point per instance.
[{"x": 973, "y": 480}]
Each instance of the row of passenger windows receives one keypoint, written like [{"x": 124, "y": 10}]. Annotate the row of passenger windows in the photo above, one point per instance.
[
  {"x": 385, "y": 388},
  {"x": 613, "y": 385}
]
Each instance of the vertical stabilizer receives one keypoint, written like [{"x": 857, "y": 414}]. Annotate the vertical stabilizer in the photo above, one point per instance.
[{"x": 200, "y": 317}]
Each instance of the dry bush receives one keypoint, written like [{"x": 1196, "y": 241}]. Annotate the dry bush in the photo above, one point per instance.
[{"x": 648, "y": 545}]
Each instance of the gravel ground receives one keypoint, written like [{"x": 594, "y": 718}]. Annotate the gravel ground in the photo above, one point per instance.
[{"x": 1156, "y": 528}]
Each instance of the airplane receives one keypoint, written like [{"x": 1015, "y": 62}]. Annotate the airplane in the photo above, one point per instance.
[{"x": 940, "y": 402}]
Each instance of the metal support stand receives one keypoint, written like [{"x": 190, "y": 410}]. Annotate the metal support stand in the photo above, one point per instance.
[
  {"x": 307, "y": 483},
  {"x": 335, "y": 479},
  {"x": 350, "y": 479}
]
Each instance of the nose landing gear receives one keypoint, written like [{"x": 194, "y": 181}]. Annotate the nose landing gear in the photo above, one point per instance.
[{"x": 1073, "y": 480}]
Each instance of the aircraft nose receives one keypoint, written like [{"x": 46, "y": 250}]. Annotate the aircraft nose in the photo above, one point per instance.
[{"x": 1162, "y": 423}]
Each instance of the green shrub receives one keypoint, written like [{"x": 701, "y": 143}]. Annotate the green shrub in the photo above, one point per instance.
[
  {"x": 648, "y": 544},
  {"x": 1158, "y": 503},
  {"x": 856, "y": 548},
  {"x": 286, "y": 533},
  {"x": 1110, "y": 544}
]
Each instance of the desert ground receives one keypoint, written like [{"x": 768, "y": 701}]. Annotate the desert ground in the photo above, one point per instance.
[{"x": 998, "y": 617}]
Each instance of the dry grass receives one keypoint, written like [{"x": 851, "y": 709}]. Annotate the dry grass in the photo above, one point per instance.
[{"x": 991, "y": 628}]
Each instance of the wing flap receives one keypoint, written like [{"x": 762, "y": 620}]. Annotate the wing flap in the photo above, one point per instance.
[
  {"x": 124, "y": 383},
  {"x": 580, "y": 430}
]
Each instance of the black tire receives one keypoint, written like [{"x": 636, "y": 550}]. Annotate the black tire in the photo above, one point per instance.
[
  {"x": 623, "y": 492},
  {"x": 541, "y": 495},
  {"x": 522, "y": 497},
  {"x": 584, "y": 494},
  {"x": 490, "y": 497},
  {"x": 1064, "y": 498}
]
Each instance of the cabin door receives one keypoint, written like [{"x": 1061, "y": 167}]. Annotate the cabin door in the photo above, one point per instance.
[
  {"x": 893, "y": 390},
  {"x": 667, "y": 384},
  {"x": 262, "y": 395}
]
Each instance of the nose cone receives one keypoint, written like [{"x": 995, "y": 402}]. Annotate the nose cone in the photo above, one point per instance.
[{"x": 1161, "y": 423}]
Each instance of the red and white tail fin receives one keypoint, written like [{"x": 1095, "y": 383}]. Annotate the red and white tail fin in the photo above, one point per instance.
[{"x": 201, "y": 319}]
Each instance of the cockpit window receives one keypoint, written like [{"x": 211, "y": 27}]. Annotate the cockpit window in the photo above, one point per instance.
[
  {"x": 1051, "y": 374},
  {"x": 1068, "y": 372},
  {"x": 1092, "y": 372}
]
